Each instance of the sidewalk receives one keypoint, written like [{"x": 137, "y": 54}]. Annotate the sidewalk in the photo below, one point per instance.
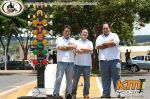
[
  {"x": 94, "y": 88},
  {"x": 23, "y": 90}
]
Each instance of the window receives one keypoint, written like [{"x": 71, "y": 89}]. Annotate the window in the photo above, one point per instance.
[
  {"x": 147, "y": 58},
  {"x": 138, "y": 58}
]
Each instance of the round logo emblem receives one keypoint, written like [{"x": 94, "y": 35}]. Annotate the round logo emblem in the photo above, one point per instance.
[{"x": 12, "y": 7}]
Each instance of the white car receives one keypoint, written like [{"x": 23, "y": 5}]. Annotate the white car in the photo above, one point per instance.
[{"x": 139, "y": 62}]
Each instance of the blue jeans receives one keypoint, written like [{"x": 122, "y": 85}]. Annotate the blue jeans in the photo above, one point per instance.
[
  {"x": 109, "y": 70},
  {"x": 86, "y": 75},
  {"x": 67, "y": 68}
]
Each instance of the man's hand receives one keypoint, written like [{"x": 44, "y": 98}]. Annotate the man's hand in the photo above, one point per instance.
[
  {"x": 86, "y": 49},
  {"x": 63, "y": 48},
  {"x": 83, "y": 50},
  {"x": 107, "y": 44},
  {"x": 110, "y": 43},
  {"x": 71, "y": 46},
  {"x": 79, "y": 51},
  {"x": 101, "y": 47}
]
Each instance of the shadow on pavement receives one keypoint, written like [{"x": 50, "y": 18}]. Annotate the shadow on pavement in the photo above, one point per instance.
[{"x": 7, "y": 74}]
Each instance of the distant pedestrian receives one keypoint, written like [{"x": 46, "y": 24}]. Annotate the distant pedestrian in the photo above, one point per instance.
[
  {"x": 49, "y": 56},
  {"x": 54, "y": 57},
  {"x": 127, "y": 56}
]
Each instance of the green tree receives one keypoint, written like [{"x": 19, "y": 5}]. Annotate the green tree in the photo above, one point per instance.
[
  {"x": 121, "y": 14},
  {"x": 8, "y": 28}
]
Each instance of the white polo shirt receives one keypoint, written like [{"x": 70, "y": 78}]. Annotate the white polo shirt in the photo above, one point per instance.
[
  {"x": 64, "y": 56},
  {"x": 110, "y": 53},
  {"x": 85, "y": 58}
]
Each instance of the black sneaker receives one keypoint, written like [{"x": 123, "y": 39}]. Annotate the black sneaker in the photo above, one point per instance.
[
  {"x": 54, "y": 96},
  {"x": 86, "y": 96},
  {"x": 74, "y": 97},
  {"x": 49, "y": 95},
  {"x": 69, "y": 97},
  {"x": 103, "y": 96},
  {"x": 119, "y": 96}
]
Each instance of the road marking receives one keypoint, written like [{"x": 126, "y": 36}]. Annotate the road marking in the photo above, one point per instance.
[
  {"x": 99, "y": 85},
  {"x": 13, "y": 89}
]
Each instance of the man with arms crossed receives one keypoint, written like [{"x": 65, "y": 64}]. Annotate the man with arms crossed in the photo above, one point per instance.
[
  {"x": 82, "y": 63},
  {"x": 109, "y": 58},
  {"x": 65, "y": 61}
]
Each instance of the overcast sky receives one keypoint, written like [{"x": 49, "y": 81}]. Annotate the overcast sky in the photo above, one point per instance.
[{"x": 143, "y": 31}]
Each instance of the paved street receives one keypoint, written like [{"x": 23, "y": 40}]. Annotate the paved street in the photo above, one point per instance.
[{"x": 12, "y": 80}]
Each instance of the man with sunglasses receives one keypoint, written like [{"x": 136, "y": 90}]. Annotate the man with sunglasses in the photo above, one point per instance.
[
  {"x": 109, "y": 59},
  {"x": 65, "y": 60}
]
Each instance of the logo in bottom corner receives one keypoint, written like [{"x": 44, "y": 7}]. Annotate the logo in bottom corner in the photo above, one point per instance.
[{"x": 130, "y": 86}]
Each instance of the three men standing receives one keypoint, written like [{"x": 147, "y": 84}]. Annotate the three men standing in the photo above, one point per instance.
[{"x": 109, "y": 57}]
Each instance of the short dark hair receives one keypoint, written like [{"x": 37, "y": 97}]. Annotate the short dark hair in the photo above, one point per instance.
[
  {"x": 83, "y": 29},
  {"x": 66, "y": 26},
  {"x": 107, "y": 24}
]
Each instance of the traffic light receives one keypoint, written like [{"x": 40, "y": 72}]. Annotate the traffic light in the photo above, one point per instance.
[
  {"x": 35, "y": 52},
  {"x": 40, "y": 34},
  {"x": 44, "y": 61},
  {"x": 35, "y": 32},
  {"x": 44, "y": 32},
  {"x": 35, "y": 61},
  {"x": 34, "y": 22},
  {"x": 39, "y": 22},
  {"x": 40, "y": 37},
  {"x": 35, "y": 42}
]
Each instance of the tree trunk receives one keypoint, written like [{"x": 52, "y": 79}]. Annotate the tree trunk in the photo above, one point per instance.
[
  {"x": 95, "y": 63},
  {"x": 24, "y": 46},
  {"x": 2, "y": 43},
  {"x": 6, "y": 46},
  {"x": 25, "y": 55}
]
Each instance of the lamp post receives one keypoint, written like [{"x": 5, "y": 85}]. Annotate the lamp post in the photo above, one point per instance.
[
  {"x": 5, "y": 56},
  {"x": 5, "y": 59}
]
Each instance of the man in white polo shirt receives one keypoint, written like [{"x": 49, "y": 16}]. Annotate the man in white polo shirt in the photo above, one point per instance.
[
  {"x": 82, "y": 63},
  {"x": 109, "y": 57},
  {"x": 65, "y": 60}
]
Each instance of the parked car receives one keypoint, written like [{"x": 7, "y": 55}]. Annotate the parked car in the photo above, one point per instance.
[
  {"x": 139, "y": 62},
  {"x": 16, "y": 65},
  {"x": 12, "y": 65}
]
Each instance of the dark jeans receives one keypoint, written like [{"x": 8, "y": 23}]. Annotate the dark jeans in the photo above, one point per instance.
[
  {"x": 86, "y": 75},
  {"x": 109, "y": 70}
]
